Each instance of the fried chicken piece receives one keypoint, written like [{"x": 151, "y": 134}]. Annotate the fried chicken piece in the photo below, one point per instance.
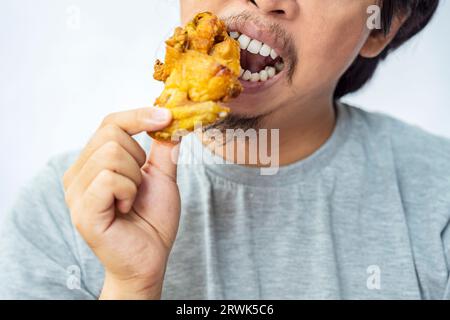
[{"x": 201, "y": 68}]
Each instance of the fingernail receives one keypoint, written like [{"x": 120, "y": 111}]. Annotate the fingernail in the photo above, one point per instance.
[{"x": 161, "y": 114}]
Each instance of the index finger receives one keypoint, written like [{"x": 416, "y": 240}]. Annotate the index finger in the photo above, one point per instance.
[
  {"x": 128, "y": 122},
  {"x": 140, "y": 120}
]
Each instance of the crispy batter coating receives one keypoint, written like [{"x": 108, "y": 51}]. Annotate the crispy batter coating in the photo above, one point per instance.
[{"x": 201, "y": 68}]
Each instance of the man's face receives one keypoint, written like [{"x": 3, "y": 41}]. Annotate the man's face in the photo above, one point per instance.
[{"x": 316, "y": 40}]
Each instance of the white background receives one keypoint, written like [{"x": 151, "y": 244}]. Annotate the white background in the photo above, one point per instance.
[{"x": 58, "y": 77}]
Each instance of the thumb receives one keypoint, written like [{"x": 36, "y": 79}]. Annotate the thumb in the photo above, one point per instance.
[
  {"x": 164, "y": 157},
  {"x": 158, "y": 199}
]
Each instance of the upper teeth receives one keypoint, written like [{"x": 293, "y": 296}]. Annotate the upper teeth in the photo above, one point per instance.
[
  {"x": 254, "y": 46},
  {"x": 234, "y": 34},
  {"x": 273, "y": 54},
  {"x": 257, "y": 47},
  {"x": 265, "y": 50}
]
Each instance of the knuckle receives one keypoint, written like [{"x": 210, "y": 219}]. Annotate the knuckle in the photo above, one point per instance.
[
  {"x": 106, "y": 177},
  {"x": 110, "y": 132},
  {"x": 108, "y": 119},
  {"x": 112, "y": 150}
]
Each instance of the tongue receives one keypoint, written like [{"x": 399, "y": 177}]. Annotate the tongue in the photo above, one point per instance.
[{"x": 254, "y": 62}]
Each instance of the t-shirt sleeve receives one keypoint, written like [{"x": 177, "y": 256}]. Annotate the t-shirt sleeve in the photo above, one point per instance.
[{"x": 38, "y": 250}]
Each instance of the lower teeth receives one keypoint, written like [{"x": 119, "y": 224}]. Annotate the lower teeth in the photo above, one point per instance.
[{"x": 264, "y": 75}]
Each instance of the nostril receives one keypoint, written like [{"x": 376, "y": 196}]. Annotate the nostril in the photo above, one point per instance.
[
  {"x": 268, "y": 9},
  {"x": 278, "y": 11}
]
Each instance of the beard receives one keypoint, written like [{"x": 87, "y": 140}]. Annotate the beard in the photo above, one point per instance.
[{"x": 225, "y": 130}]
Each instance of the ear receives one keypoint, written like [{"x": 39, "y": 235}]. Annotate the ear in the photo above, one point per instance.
[{"x": 378, "y": 41}]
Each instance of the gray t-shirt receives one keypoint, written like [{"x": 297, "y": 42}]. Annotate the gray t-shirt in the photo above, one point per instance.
[{"x": 365, "y": 217}]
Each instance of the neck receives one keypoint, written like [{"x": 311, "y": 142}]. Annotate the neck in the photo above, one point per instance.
[{"x": 299, "y": 131}]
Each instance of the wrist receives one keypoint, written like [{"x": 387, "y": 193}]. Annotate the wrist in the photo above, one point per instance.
[{"x": 130, "y": 289}]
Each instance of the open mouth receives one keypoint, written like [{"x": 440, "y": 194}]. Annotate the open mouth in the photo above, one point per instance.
[{"x": 259, "y": 62}]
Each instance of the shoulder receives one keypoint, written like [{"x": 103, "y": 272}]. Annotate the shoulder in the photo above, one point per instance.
[
  {"x": 408, "y": 139},
  {"x": 39, "y": 242},
  {"x": 421, "y": 160},
  {"x": 41, "y": 199},
  {"x": 47, "y": 182},
  {"x": 412, "y": 146}
]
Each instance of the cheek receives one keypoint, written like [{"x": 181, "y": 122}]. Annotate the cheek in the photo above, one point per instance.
[{"x": 328, "y": 44}]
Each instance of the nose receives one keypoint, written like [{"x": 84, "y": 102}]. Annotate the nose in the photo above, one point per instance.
[{"x": 287, "y": 9}]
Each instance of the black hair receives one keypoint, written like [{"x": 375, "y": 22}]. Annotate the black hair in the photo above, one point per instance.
[{"x": 361, "y": 71}]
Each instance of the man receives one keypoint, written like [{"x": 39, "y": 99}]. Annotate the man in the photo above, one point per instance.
[{"x": 359, "y": 208}]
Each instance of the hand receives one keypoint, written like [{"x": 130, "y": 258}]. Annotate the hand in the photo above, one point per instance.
[{"x": 126, "y": 205}]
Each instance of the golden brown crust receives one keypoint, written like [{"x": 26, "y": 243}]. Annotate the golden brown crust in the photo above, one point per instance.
[{"x": 201, "y": 68}]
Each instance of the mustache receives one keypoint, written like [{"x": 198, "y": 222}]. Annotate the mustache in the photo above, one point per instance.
[{"x": 284, "y": 37}]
